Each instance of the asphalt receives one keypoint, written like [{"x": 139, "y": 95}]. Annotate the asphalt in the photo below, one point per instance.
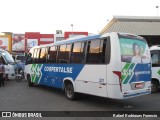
[{"x": 18, "y": 96}]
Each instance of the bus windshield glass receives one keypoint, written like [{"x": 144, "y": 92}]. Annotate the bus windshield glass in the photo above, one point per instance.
[
  {"x": 134, "y": 49},
  {"x": 7, "y": 57}
]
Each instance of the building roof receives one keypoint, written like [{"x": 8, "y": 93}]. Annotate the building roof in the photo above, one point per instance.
[{"x": 134, "y": 24}]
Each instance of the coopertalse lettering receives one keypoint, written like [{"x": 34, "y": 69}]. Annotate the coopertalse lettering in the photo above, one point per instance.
[{"x": 58, "y": 69}]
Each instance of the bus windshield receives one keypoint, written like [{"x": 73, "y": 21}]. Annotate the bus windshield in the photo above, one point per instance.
[
  {"x": 7, "y": 57},
  {"x": 134, "y": 49}
]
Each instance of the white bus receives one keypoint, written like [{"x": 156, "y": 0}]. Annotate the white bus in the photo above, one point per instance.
[
  {"x": 102, "y": 65},
  {"x": 8, "y": 62},
  {"x": 155, "y": 55}
]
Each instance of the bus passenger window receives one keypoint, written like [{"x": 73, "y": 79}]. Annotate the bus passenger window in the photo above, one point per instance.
[
  {"x": 61, "y": 54},
  {"x": 34, "y": 56},
  {"x": 67, "y": 53},
  {"x": 155, "y": 60},
  {"x": 77, "y": 55},
  {"x": 102, "y": 51},
  {"x": 43, "y": 55},
  {"x": 37, "y": 56},
  {"x": 94, "y": 55},
  {"x": 29, "y": 58},
  {"x": 52, "y": 55}
]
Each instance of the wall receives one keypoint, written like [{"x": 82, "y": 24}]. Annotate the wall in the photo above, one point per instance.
[
  {"x": 18, "y": 42},
  {"x": 6, "y": 41},
  {"x": 72, "y": 34},
  {"x": 46, "y": 39},
  {"x": 35, "y": 38},
  {"x": 31, "y": 39}
]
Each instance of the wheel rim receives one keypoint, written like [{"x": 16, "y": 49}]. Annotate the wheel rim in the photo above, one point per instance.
[
  {"x": 69, "y": 92},
  {"x": 153, "y": 87}
]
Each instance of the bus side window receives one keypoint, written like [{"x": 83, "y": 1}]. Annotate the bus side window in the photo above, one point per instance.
[
  {"x": 61, "y": 54},
  {"x": 77, "y": 55},
  {"x": 93, "y": 52},
  {"x": 155, "y": 59},
  {"x": 37, "y": 56},
  {"x": 52, "y": 54},
  {"x": 67, "y": 53},
  {"x": 102, "y": 51},
  {"x": 43, "y": 54},
  {"x": 34, "y": 56},
  {"x": 29, "y": 58}
]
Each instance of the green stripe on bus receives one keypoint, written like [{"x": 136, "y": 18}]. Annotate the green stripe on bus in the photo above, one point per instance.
[
  {"x": 158, "y": 72},
  {"x": 125, "y": 68},
  {"x": 36, "y": 74},
  {"x": 33, "y": 73},
  {"x": 129, "y": 75}
]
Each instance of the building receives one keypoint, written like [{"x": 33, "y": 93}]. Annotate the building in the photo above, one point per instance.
[
  {"x": 147, "y": 27},
  {"x": 36, "y": 38},
  {"x": 5, "y": 41},
  {"x": 62, "y": 36},
  {"x": 24, "y": 42},
  {"x": 18, "y": 43}
]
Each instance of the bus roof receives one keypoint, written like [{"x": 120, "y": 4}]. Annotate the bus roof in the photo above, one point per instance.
[
  {"x": 70, "y": 40},
  {"x": 155, "y": 47},
  {"x": 81, "y": 38}
]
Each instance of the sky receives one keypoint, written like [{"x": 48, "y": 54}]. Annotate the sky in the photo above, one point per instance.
[{"x": 47, "y": 16}]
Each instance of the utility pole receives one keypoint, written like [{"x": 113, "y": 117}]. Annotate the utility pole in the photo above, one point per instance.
[
  {"x": 72, "y": 29},
  {"x": 157, "y": 9}
]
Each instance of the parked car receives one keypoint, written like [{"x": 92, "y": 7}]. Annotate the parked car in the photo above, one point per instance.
[
  {"x": 8, "y": 64},
  {"x": 19, "y": 58}
]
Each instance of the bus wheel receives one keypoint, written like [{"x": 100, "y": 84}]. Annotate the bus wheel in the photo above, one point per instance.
[
  {"x": 69, "y": 92},
  {"x": 30, "y": 84},
  {"x": 154, "y": 86}
]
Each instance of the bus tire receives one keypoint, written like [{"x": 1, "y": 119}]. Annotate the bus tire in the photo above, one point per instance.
[
  {"x": 30, "y": 84},
  {"x": 69, "y": 92},
  {"x": 154, "y": 86}
]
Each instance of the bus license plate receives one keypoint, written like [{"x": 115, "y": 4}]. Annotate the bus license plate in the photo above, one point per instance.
[{"x": 138, "y": 85}]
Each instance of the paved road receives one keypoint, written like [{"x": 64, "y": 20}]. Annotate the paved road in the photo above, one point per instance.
[{"x": 18, "y": 96}]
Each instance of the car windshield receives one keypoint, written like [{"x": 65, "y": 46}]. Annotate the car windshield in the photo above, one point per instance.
[{"x": 7, "y": 57}]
